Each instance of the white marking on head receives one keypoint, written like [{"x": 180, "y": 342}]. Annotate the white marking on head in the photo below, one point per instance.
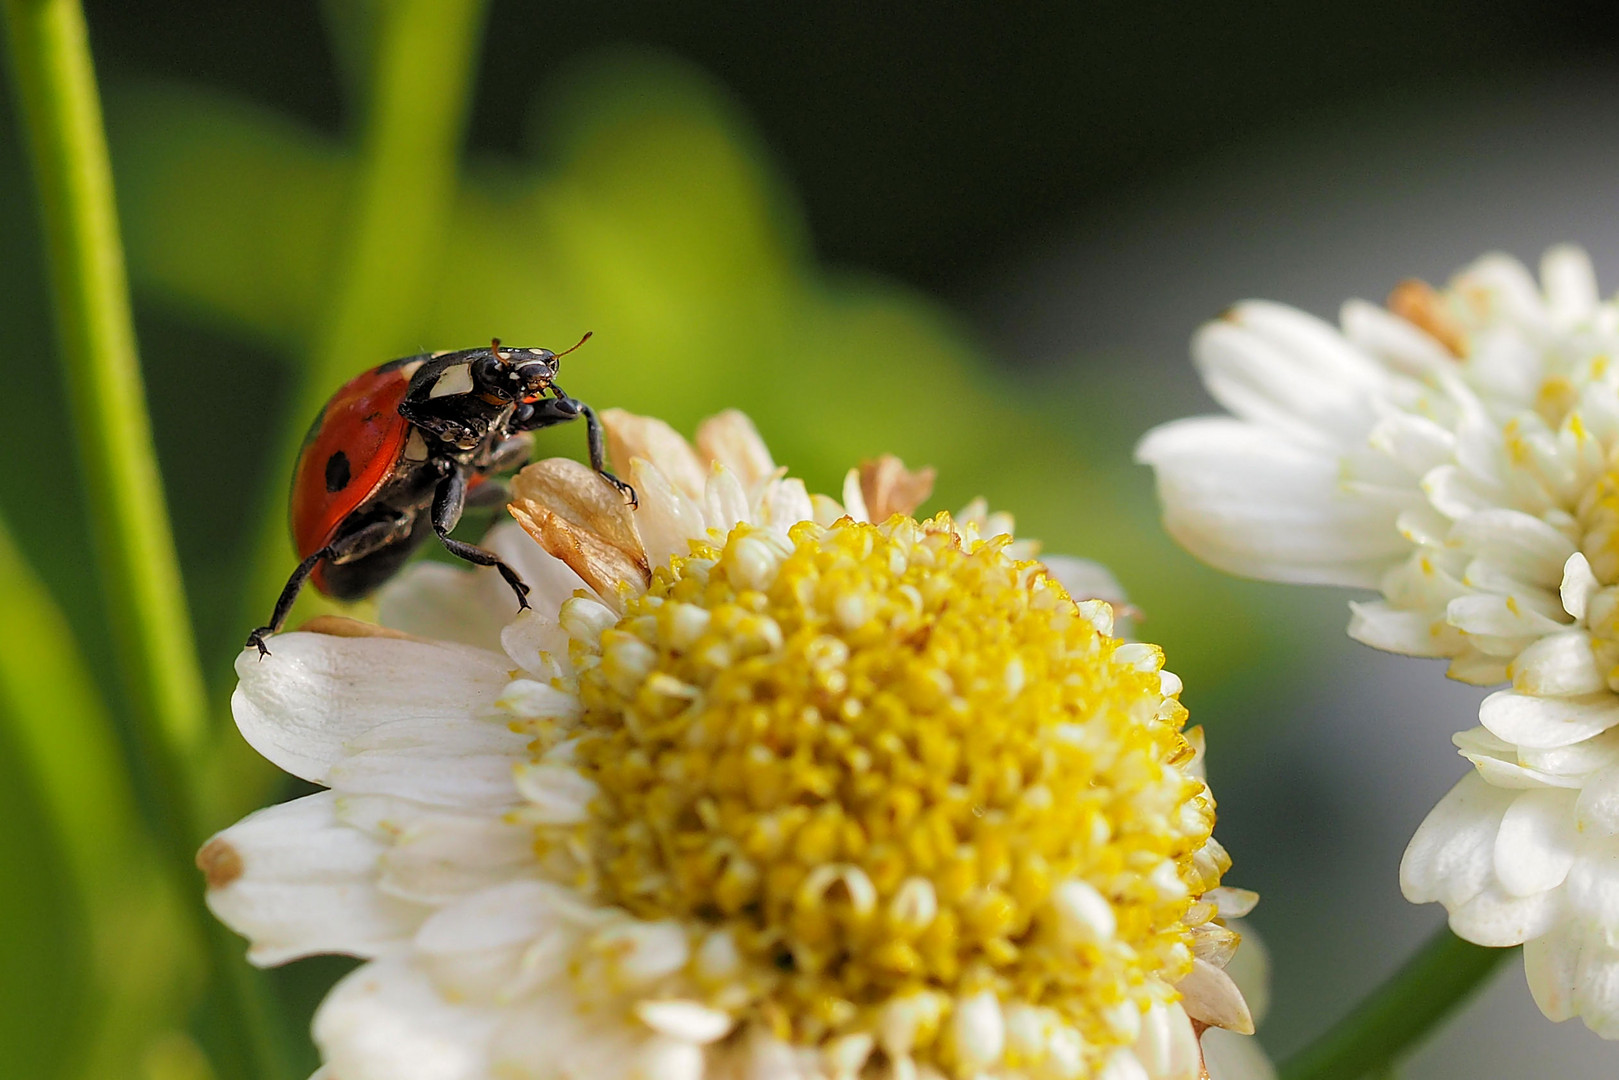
[{"x": 416, "y": 446}]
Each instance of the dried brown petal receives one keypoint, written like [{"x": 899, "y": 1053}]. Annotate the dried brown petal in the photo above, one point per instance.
[
  {"x": 219, "y": 862},
  {"x": 631, "y": 436},
  {"x": 1419, "y": 304},
  {"x": 731, "y": 439},
  {"x": 343, "y": 626},
  {"x": 583, "y": 520},
  {"x": 890, "y": 488}
]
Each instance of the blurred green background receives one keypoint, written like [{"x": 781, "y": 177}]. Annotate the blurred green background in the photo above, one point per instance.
[{"x": 821, "y": 214}]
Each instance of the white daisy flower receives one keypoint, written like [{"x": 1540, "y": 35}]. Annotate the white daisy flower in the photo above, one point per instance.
[
  {"x": 1458, "y": 452},
  {"x": 766, "y": 787}
]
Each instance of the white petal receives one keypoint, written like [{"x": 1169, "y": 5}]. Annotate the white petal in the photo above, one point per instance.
[
  {"x": 1558, "y": 665},
  {"x": 725, "y": 504},
  {"x": 785, "y": 502},
  {"x": 731, "y": 439},
  {"x": 979, "y": 1029},
  {"x": 1381, "y": 333},
  {"x": 1250, "y": 969},
  {"x": 1250, "y": 502},
  {"x": 1593, "y": 889},
  {"x": 668, "y": 520},
  {"x": 315, "y": 692},
  {"x": 1498, "y": 919},
  {"x": 1525, "y": 544},
  {"x": 1453, "y": 493},
  {"x": 1596, "y": 993},
  {"x": 429, "y": 775},
  {"x": 1413, "y": 633},
  {"x": 1300, "y": 391},
  {"x": 1451, "y": 858},
  {"x": 1513, "y": 776},
  {"x": 1489, "y": 615},
  {"x": 1211, "y": 996},
  {"x": 1232, "y": 903},
  {"x": 536, "y": 642},
  {"x": 1550, "y": 964},
  {"x": 296, "y": 881},
  {"x": 1569, "y": 282},
  {"x": 446, "y": 603},
  {"x": 385, "y": 1021},
  {"x": 549, "y": 579},
  {"x": 1536, "y": 845},
  {"x": 557, "y": 794},
  {"x": 1084, "y": 579},
  {"x": 1124, "y": 1065},
  {"x": 1579, "y": 582},
  {"x": 1542, "y": 723},
  {"x": 690, "y": 1021},
  {"x": 1597, "y": 811},
  {"x": 1229, "y": 1056},
  {"x": 1167, "y": 1046},
  {"x": 854, "y": 500},
  {"x": 438, "y": 857},
  {"x": 1417, "y": 443},
  {"x": 507, "y": 915}
]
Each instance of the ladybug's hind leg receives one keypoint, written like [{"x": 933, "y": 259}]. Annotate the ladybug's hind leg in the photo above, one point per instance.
[
  {"x": 354, "y": 545},
  {"x": 284, "y": 602},
  {"x": 448, "y": 502}
]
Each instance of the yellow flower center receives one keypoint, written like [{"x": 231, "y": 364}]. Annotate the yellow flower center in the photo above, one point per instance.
[{"x": 882, "y": 761}]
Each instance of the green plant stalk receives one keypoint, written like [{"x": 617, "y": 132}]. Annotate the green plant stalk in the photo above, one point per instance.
[
  {"x": 402, "y": 191},
  {"x": 60, "y": 113},
  {"x": 1395, "y": 1017}
]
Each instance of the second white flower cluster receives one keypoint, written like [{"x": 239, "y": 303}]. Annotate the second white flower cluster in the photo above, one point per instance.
[{"x": 1458, "y": 451}]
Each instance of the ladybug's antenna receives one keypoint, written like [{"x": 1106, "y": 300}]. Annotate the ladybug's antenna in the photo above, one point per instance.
[
  {"x": 582, "y": 340},
  {"x": 494, "y": 347}
]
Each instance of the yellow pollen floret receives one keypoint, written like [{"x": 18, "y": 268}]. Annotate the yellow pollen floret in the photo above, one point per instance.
[{"x": 886, "y": 761}]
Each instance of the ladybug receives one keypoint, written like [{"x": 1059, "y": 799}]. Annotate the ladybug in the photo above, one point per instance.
[{"x": 405, "y": 445}]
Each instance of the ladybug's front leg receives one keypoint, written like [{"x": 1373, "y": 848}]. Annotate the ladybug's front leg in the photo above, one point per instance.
[
  {"x": 598, "y": 454},
  {"x": 562, "y": 408},
  {"x": 448, "y": 501}
]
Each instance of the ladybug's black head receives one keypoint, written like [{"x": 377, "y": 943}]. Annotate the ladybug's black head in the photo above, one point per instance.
[
  {"x": 514, "y": 374},
  {"x": 517, "y": 374}
]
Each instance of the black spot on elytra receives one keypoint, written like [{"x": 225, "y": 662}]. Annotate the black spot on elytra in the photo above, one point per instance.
[{"x": 337, "y": 472}]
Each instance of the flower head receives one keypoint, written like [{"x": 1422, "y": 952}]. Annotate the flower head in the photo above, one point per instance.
[
  {"x": 765, "y": 786},
  {"x": 1459, "y": 452}
]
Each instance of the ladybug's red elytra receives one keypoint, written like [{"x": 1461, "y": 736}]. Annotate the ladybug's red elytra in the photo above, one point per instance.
[{"x": 407, "y": 443}]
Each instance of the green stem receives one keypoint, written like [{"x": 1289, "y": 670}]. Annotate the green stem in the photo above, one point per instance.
[
  {"x": 420, "y": 77},
  {"x": 1398, "y": 1014},
  {"x": 60, "y": 113}
]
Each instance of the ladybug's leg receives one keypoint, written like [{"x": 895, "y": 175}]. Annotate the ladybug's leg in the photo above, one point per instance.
[
  {"x": 355, "y": 545},
  {"x": 598, "y": 454},
  {"x": 562, "y": 408},
  {"x": 448, "y": 502},
  {"x": 284, "y": 602}
]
